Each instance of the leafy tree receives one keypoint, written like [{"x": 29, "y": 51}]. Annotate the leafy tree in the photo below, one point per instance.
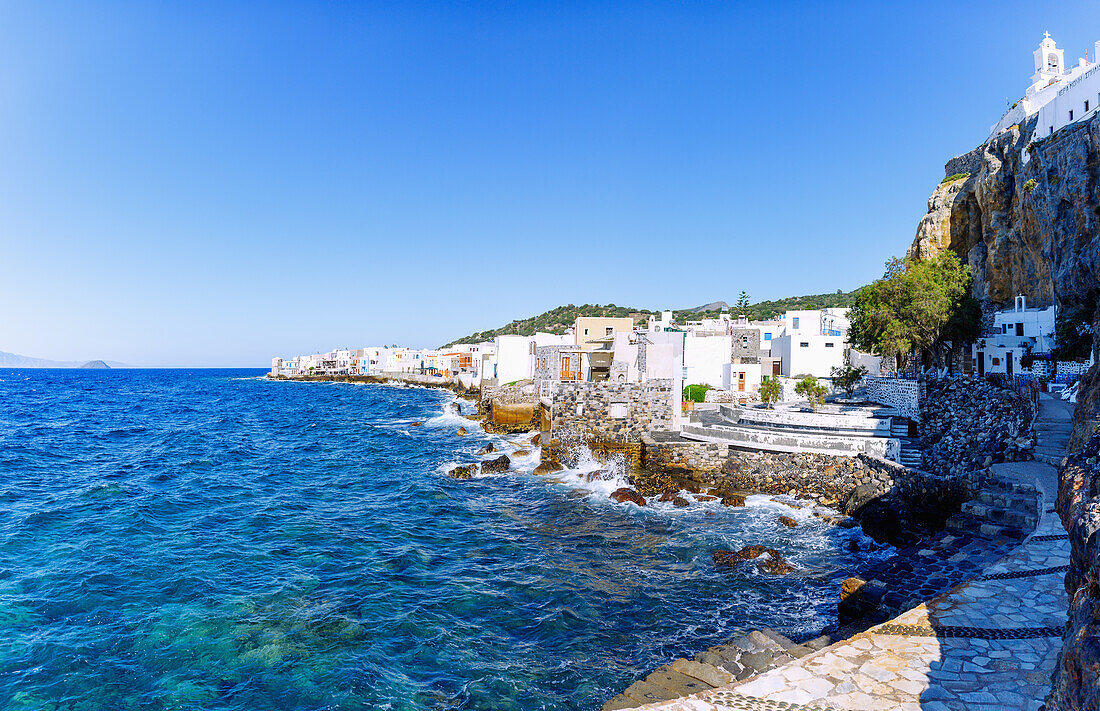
[
  {"x": 1073, "y": 333},
  {"x": 696, "y": 393},
  {"x": 771, "y": 390},
  {"x": 911, "y": 305},
  {"x": 847, "y": 378},
  {"x": 812, "y": 390}
]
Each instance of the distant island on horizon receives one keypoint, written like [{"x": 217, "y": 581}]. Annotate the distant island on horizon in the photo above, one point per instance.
[{"x": 14, "y": 360}]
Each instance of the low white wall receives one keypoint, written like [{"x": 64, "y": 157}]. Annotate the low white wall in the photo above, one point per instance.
[{"x": 902, "y": 395}]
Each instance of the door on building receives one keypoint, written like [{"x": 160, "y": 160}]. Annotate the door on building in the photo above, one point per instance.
[
  {"x": 777, "y": 367},
  {"x": 741, "y": 382},
  {"x": 981, "y": 363},
  {"x": 1008, "y": 363},
  {"x": 566, "y": 367}
]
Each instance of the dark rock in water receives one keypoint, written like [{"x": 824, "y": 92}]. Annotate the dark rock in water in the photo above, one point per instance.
[
  {"x": 667, "y": 497},
  {"x": 495, "y": 466},
  {"x": 461, "y": 431},
  {"x": 466, "y": 471},
  {"x": 788, "y": 522},
  {"x": 680, "y": 502},
  {"x": 537, "y": 439},
  {"x": 520, "y": 453},
  {"x": 416, "y": 424},
  {"x": 548, "y": 468},
  {"x": 774, "y": 563},
  {"x": 733, "y": 500},
  {"x": 487, "y": 449},
  {"x": 454, "y": 408},
  {"x": 705, "y": 497},
  {"x": 628, "y": 494},
  {"x": 96, "y": 364}
]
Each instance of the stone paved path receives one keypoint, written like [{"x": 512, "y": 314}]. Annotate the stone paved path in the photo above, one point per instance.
[{"x": 990, "y": 643}]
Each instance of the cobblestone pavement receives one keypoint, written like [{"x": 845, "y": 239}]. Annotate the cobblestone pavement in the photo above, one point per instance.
[{"x": 990, "y": 643}]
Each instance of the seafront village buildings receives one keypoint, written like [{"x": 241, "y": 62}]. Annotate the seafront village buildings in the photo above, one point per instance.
[{"x": 726, "y": 353}]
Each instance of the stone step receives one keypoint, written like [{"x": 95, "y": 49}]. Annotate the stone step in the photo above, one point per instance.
[
  {"x": 1052, "y": 460},
  {"x": 965, "y": 523},
  {"x": 1001, "y": 516},
  {"x": 1053, "y": 426},
  {"x": 674, "y": 680},
  {"x": 1008, "y": 500},
  {"x": 1046, "y": 451}
]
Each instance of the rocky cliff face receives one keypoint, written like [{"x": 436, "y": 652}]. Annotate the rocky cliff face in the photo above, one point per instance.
[
  {"x": 1033, "y": 227},
  {"x": 1025, "y": 228}
]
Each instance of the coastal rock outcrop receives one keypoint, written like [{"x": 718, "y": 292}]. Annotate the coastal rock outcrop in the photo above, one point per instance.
[
  {"x": 1076, "y": 684},
  {"x": 461, "y": 431},
  {"x": 769, "y": 560},
  {"x": 788, "y": 522},
  {"x": 464, "y": 471},
  {"x": 627, "y": 494},
  {"x": 487, "y": 449},
  {"x": 498, "y": 465}
]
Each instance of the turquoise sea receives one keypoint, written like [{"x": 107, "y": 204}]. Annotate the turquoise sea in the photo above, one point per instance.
[{"x": 205, "y": 539}]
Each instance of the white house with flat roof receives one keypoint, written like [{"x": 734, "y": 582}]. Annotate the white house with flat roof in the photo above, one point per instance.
[{"x": 1015, "y": 333}]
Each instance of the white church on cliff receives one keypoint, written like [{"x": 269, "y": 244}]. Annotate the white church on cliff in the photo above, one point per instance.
[{"x": 1059, "y": 96}]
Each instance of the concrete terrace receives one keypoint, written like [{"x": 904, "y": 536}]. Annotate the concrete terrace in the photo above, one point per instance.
[{"x": 989, "y": 643}]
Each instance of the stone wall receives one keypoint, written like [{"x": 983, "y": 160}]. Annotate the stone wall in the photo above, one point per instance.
[
  {"x": 971, "y": 423},
  {"x": 746, "y": 345},
  {"x": 1075, "y": 682},
  {"x": 966, "y": 163},
  {"x": 893, "y": 503},
  {"x": 902, "y": 395},
  {"x": 612, "y": 412}
]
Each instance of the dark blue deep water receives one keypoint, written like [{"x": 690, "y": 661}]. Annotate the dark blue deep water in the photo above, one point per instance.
[{"x": 175, "y": 539}]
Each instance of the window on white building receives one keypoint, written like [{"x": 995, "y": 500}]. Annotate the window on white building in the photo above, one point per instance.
[
  {"x": 794, "y": 322},
  {"x": 829, "y": 345},
  {"x": 586, "y": 331},
  {"x": 1086, "y": 105},
  {"x": 1071, "y": 114},
  {"x": 618, "y": 410},
  {"x": 803, "y": 344},
  {"x": 608, "y": 330}
]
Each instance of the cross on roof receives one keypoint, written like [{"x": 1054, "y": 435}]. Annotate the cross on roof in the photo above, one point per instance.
[{"x": 1046, "y": 34}]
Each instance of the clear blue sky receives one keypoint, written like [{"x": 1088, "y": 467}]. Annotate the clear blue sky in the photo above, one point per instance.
[{"x": 212, "y": 183}]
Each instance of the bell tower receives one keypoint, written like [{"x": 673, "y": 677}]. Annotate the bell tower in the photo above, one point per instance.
[{"x": 1049, "y": 61}]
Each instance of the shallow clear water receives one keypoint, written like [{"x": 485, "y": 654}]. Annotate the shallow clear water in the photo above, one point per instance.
[{"x": 175, "y": 539}]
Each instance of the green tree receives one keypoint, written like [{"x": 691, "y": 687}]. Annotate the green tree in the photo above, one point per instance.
[
  {"x": 847, "y": 378},
  {"x": 812, "y": 390},
  {"x": 770, "y": 391},
  {"x": 911, "y": 305},
  {"x": 696, "y": 393},
  {"x": 1073, "y": 333},
  {"x": 743, "y": 302}
]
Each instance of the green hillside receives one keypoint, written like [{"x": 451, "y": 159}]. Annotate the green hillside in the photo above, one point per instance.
[{"x": 557, "y": 320}]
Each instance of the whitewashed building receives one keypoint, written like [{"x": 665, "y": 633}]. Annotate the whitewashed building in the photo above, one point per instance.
[
  {"x": 1057, "y": 94},
  {"x": 1015, "y": 333}
]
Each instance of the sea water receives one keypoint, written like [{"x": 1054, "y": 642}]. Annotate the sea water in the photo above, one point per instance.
[{"x": 204, "y": 539}]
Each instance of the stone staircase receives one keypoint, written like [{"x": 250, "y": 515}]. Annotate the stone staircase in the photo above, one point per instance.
[
  {"x": 1001, "y": 508},
  {"x": 910, "y": 454},
  {"x": 1052, "y": 436}
]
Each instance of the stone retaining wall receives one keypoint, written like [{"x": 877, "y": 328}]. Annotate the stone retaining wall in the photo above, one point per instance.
[{"x": 969, "y": 424}]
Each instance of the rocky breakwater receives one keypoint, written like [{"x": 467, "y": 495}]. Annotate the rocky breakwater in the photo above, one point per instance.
[
  {"x": 969, "y": 424},
  {"x": 1076, "y": 682},
  {"x": 892, "y": 503}
]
